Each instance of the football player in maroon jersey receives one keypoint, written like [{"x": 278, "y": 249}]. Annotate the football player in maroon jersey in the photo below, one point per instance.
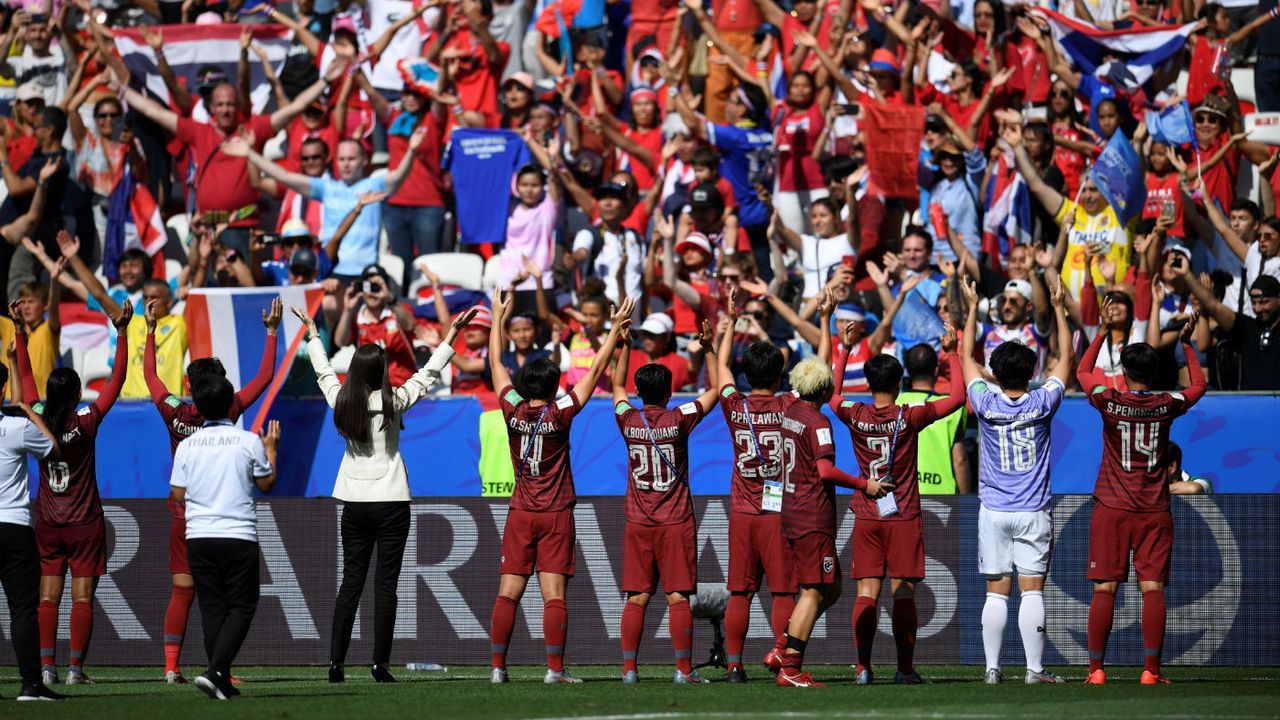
[
  {"x": 888, "y": 534},
  {"x": 539, "y": 534},
  {"x": 755, "y": 519},
  {"x": 660, "y": 539},
  {"x": 71, "y": 533},
  {"x": 1131, "y": 498},
  {"x": 809, "y": 504},
  {"x": 182, "y": 420}
]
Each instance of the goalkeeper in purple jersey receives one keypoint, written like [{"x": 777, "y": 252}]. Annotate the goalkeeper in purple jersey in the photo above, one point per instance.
[{"x": 1015, "y": 521}]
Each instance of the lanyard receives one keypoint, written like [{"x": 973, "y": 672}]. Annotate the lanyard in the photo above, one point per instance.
[
  {"x": 532, "y": 438},
  {"x": 654, "y": 441},
  {"x": 893, "y": 443},
  {"x": 755, "y": 440}
]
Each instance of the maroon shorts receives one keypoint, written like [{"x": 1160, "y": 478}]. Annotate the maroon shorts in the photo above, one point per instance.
[
  {"x": 1113, "y": 533},
  {"x": 542, "y": 540},
  {"x": 178, "y": 546},
  {"x": 888, "y": 547},
  {"x": 814, "y": 559},
  {"x": 666, "y": 551},
  {"x": 756, "y": 544},
  {"x": 82, "y": 548}
]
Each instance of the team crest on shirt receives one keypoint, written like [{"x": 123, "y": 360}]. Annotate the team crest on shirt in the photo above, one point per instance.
[{"x": 828, "y": 564}]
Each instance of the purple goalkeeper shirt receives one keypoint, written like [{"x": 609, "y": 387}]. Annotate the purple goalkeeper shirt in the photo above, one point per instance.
[{"x": 1013, "y": 467}]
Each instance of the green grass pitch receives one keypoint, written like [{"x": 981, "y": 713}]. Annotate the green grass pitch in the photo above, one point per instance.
[{"x": 464, "y": 692}]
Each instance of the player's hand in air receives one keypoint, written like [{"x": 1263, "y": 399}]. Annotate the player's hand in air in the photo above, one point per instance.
[
  {"x": 951, "y": 339},
  {"x": 271, "y": 436},
  {"x": 1189, "y": 330},
  {"x": 150, "y": 316},
  {"x": 121, "y": 320},
  {"x": 272, "y": 319}
]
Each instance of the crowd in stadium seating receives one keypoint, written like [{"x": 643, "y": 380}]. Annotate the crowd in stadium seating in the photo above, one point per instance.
[{"x": 673, "y": 151}]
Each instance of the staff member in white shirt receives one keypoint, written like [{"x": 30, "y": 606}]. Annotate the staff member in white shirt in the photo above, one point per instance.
[
  {"x": 19, "y": 559},
  {"x": 214, "y": 473},
  {"x": 372, "y": 483}
]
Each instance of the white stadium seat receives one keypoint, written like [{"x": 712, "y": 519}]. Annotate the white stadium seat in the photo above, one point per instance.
[{"x": 463, "y": 270}]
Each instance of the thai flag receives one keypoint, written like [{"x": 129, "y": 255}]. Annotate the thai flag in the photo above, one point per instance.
[
  {"x": 226, "y": 323},
  {"x": 1008, "y": 221},
  {"x": 190, "y": 47},
  {"x": 1137, "y": 52},
  {"x": 133, "y": 221}
]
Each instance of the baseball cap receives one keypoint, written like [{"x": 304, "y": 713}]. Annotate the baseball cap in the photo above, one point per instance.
[
  {"x": 523, "y": 79},
  {"x": 28, "y": 91},
  {"x": 658, "y": 324},
  {"x": 210, "y": 75},
  {"x": 1214, "y": 105},
  {"x": 483, "y": 318},
  {"x": 373, "y": 271},
  {"x": 295, "y": 228},
  {"x": 695, "y": 241},
  {"x": 884, "y": 61},
  {"x": 304, "y": 257},
  {"x": 705, "y": 195},
  {"x": 1022, "y": 287},
  {"x": 610, "y": 190},
  {"x": 1180, "y": 249},
  {"x": 1267, "y": 285},
  {"x": 934, "y": 123}
]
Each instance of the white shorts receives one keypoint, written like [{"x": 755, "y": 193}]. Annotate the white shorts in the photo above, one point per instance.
[{"x": 1014, "y": 541}]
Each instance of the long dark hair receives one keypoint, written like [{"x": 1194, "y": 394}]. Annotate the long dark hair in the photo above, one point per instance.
[
  {"x": 63, "y": 391},
  {"x": 367, "y": 375}
]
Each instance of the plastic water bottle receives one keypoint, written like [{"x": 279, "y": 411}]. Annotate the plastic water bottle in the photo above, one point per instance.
[{"x": 426, "y": 667}]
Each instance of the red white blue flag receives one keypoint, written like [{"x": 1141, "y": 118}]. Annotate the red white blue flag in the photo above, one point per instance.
[{"x": 1127, "y": 58}]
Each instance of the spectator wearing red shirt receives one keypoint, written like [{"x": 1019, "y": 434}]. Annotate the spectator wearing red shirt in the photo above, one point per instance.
[
  {"x": 799, "y": 123},
  {"x": 472, "y": 57},
  {"x": 223, "y": 190},
  {"x": 658, "y": 342},
  {"x": 371, "y": 315},
  {"x": 1222, "y": 144},
  {"x": 413, "y": 217},
  {"x": 638, "y": 145}
]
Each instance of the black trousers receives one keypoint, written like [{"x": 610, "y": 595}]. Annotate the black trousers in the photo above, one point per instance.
[
  {"x": 227, "y": 585},
  {"x": 364, "y": 526},
  {"x": 20, "y": 577}
]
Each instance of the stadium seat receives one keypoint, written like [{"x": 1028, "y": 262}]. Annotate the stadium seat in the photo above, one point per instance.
[
  {"x": 178, "y": 226},
  {"x": 394, "y": 267},
  {"x": 490, "y": 279},
  {"x": 171, "y": 268},
  {"x": 341, "y": 360},
  {"x": 94, "y": 370},
  {"x": 463, "y": 270}
]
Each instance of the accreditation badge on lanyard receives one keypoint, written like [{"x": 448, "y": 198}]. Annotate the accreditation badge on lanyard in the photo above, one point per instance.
[
  {"x": 771, "y": 495},
  {"x": 888, "y": 505}
]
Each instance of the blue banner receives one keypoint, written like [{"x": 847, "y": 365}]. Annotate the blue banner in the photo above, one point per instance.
[
  {"x": 1229, "y": 439},
  {"x": 1118, "y": 174}
]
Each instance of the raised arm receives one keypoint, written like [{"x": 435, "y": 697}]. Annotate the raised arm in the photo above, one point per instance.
[
  {"x": 1225, "y": 316},
  {"x": 502, "y": 303},
  {"x": 620, "y": 367},
  {"x": 682, "y": 289},
  {"x": 1198, "y": 383},
  {"x": 884, "y": 330},
  {"x": 283, "y": 116},
  {"x": 968, "y": 366},
  {"x": 238, "y": 146},
  {"x": 711, "y": 395},
  {"x": 725, "y": 356},
  {"x": 25, "y": 380},
  {"x": 156, "y": 386},
  {"x": 107, "y": 396},
  {"x": 396, "y": 177},
  {"x": 959, "y": 394},
  {"x": 621, "y": 321},
  {"x": 154, "y": 111},
  {"x": 70, "y": 250},
  {"x": 825, "y": 308},
  {"x": 248, "y": 395},
  {"x": 1051, "y": 199},
  {"x": 300, "y": 31},
  {"x": 21, "y": 227},
  {"x": 1062, "y": 367},
  {"x": 379, "y": 46}
]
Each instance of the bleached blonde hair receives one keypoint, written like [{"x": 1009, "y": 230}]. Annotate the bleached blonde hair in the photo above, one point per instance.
[{"x": 813, "y": 379}]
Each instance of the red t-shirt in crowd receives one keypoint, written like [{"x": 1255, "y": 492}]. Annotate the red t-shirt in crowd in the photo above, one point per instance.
[
  {"x": 658, "y": 458},
  {"x": 746, "y": 490},
  {"x": 477, "y": 80},
  {"x": 673, "y": 361},
  {"x": 1220, "y": 180},
  {"x": 796, "y": 133},
  {"x": 538, "y": 438},
  {"x": 385, "y": 332},
  {"x": 650, "y": 140},
  {"x": 222, "y": 181},
  {"x": 425, "y": 184},
  {"x": 298, "y": 133},
  {"x": 1159, "y": 191},
  {"x": 809, "y": 504},
  {"x": 1069, "y": 162}
]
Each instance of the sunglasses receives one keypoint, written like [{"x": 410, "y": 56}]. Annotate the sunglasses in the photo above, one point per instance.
[
  {"x": 107, "y": 115},
  {"x": 726, "y": 277},
  {"x": 757, "y": 315},
  {"x": 1208, "y": 119},
  {"x": 1062, "y": 94},
  {"x": 311, "y": 158}
]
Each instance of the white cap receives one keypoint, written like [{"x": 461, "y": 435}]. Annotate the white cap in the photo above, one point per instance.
[
  {"x": 658, "y": 324},
  {"x": 694, "y": 241},
  {"x": 1022, "y": 287}
]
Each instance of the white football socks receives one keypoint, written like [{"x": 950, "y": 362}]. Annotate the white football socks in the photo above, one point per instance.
[
  {"x": 1031, "y": 624},
  {"x": 995, "y": 615}
]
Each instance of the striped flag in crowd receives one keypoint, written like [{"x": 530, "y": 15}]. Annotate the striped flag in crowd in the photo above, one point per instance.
[{"x": 1138, "y": 51}]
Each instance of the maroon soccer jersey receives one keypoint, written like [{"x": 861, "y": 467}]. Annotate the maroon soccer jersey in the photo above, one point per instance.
[
  {"x": 1135, "y": 436},
  {"x": 539, "y": 442},
  {"x": 749, "y": 468},
  {"x": 809, "y": 504},
  {"x": 658, "y": 486},
  {"x": 182, "y": 419},
  {"x": 872, "y": 431},
  {"x": 68, "y": 492}
]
